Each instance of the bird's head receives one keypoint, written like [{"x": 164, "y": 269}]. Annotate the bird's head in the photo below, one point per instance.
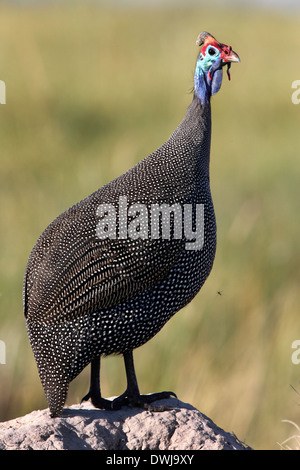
[{"x": 212, "y": 58}]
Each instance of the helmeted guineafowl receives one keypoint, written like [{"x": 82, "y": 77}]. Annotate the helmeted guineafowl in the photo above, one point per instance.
[{"x": 108, "y": 273}]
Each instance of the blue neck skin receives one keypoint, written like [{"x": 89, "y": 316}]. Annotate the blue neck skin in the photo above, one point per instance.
[{"x": 207, "y": 82}]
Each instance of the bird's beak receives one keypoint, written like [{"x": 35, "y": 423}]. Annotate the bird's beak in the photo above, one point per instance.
[
  {"x": 228, "y": 55},
  {"x": 232, "y": 57}
]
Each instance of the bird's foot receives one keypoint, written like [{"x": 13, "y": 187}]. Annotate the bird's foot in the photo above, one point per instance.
[
  {"x": 142, "y": 401},
  {"x": 98, "y": 401}
]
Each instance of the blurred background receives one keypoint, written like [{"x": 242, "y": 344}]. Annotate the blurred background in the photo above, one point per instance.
[{"x": 93, "y": 87}]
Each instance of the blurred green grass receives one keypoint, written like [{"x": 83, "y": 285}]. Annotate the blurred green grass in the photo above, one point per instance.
[{"x": 91, "y": 90}]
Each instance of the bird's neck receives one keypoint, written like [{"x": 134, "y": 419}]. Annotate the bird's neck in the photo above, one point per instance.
[
  {"x": 198, "y": 119},
  {"x": 196, "y": 130}
]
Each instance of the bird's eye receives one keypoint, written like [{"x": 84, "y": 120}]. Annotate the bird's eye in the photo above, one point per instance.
[{"x": 211, "y": 51}]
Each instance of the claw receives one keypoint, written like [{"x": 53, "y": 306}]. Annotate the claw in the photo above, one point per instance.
[
  {"x": 142, "y": 401},
  {"x": 98, "y": 401}
]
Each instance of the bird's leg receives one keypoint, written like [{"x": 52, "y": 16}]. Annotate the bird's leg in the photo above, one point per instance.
[
  {"x": 132, "y": 395},
  {"x": 94, "y": 393}
]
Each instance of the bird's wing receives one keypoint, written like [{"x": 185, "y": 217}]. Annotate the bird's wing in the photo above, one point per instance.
[{"x": 71, "y": 272}]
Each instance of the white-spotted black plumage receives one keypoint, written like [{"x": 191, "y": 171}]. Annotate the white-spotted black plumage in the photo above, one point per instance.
[{"x": 85, "y": 297}]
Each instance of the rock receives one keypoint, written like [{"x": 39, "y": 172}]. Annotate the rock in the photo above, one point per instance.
[{"x": 83, "y": 427}]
